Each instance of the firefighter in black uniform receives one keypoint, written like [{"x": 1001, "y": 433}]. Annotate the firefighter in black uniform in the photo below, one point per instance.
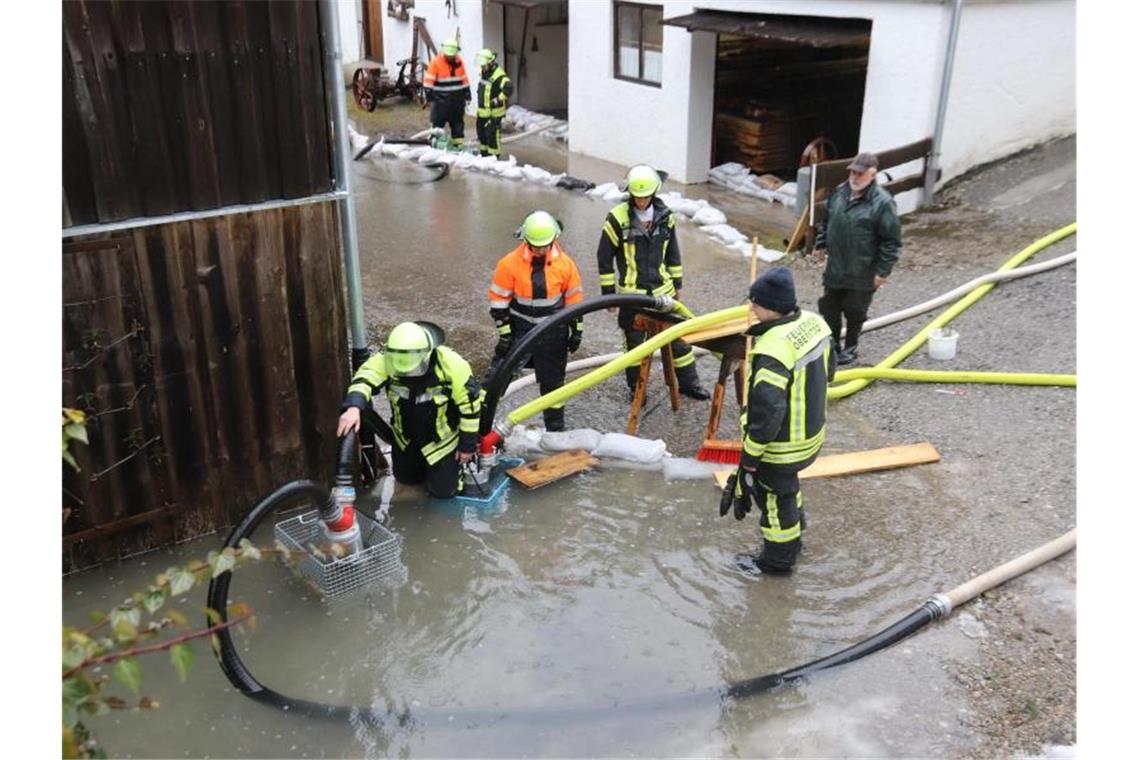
[
  {"x": 784, "y": 424},
  {"x": 491, "y": 102}
]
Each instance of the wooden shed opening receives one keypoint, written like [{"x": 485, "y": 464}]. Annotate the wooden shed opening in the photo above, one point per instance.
[{"x": 782, "y": 82}]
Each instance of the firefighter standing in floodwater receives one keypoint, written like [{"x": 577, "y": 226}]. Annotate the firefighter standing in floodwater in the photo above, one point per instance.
[
  {"x": 784, "y": 424},
  {"x": 491, "y": 102},
  {"x": 435, "y": 407},
  {"x": 638, "y": 253},
  {"x": 530, "y": 283},
  {"x": 447, "y": 89}
]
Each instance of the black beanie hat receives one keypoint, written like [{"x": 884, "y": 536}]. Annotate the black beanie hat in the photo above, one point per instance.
[{"x": 774, "y": 290}]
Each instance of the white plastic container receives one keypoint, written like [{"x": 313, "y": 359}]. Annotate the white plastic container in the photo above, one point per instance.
[{"x": 942, "y": 344}]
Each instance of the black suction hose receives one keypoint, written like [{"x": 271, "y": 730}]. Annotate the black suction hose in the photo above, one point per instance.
[{"x": 498, "y": 382}]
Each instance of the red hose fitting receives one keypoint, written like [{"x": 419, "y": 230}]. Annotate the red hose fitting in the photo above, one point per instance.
[
  {"x": 489, "y": 442},
  {"x": 344, "y": 522}
]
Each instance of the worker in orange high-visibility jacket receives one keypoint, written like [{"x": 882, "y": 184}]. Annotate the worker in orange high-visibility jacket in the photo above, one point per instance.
[
  {"x": 532, "y": 282},
  {"x": 448, "y": 90}
]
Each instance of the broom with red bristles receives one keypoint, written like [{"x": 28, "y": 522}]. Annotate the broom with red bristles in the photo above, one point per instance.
[{"x": 714, "y": 449}]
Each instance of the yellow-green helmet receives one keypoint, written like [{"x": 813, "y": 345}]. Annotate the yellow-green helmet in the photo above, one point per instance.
[
  {"x": 485, "y": 56},
  {"x": 539, "y": 229},
  {"x": 450, "y": 47},
  {"x": 642, "y": 180},
  {"x": 408, "y": 347}
]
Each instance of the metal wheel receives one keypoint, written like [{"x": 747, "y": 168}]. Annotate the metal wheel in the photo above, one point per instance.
[
  {"x": 362, "y": 90},
  {"x": 818, "y": 150}
]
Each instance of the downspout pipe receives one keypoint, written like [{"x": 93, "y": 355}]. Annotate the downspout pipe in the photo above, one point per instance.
[
  {"x": 934, "y": 165},
  {"x": 334, "y": 85}
]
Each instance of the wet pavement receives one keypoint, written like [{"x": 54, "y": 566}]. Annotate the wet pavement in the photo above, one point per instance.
[{"x": 599, "y": 615}]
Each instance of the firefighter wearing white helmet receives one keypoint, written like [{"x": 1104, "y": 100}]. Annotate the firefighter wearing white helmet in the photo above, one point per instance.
[
  {"x": 490, "y": 101},
  {"x": 538, "y": 278},
  {"x": 435, "y": 405},
  {"x": 448, "y": 89},
  {"x": 639, "y": 253}
]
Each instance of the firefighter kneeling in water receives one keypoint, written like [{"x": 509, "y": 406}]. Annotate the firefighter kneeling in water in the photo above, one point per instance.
[{"x": 435, "y": 407}]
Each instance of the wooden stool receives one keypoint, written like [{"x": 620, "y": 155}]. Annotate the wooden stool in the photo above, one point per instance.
[{"x": 651, "y": 327}]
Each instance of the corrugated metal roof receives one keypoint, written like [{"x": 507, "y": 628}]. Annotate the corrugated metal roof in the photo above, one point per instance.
[{"x": 801, "y": 30}]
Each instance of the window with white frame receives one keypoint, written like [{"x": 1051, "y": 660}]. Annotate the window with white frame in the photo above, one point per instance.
[{"x": 637, "y": 42}]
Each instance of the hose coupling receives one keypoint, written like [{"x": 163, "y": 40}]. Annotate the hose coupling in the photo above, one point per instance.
[
  {"x": 664, "y": 303},
  {"x": 941, "y": 605}
]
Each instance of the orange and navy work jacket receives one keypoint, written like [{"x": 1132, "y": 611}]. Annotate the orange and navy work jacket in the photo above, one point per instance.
[
  {"x": 529, "y": 288},
  {"x": 447, "y": 78}
]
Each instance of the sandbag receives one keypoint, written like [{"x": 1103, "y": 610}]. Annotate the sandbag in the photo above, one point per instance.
[
  {"x": 630, "y": 448},
  {"x": 523, "y": 441},
  {"x": 725, "y": 233},
  {"x": 600, "y": 191},
  {"x": 709, "y": 215},
  {"x": 582, "y": 438},
  {"x": 535, "y": 174},
  {"x": 430, "y": 156},
  {"x": 615, "y": 195}
]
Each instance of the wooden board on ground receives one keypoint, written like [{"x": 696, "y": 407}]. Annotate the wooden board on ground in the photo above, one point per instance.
[
  {"x": 552, "y": 468},
  {"x": 857, "y": 462}
]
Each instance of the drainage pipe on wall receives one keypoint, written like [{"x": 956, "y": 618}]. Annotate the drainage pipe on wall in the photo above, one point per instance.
[
  {"x": 334, "y": 86},
  {"x": 932, "y": 166}
]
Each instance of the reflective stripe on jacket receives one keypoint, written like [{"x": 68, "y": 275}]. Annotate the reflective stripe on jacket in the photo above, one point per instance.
[
  {"x": 633, "y": 259},
  {"x": 498, "y": 86},
  {"x": 531, "y": 288},
  {"x": 444, "y": 77},
  {"x": 436, "y": 412},
  {"x": 788, "y": 371}
]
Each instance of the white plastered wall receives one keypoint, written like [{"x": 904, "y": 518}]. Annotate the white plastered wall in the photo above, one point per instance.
[{"x": 1013, "y": 82}]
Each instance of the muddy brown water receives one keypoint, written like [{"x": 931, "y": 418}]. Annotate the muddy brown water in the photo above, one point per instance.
[{"x": 594, "y": 617}]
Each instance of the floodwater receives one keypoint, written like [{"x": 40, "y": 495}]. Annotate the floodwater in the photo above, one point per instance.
[{"x": 597, "y": 616}]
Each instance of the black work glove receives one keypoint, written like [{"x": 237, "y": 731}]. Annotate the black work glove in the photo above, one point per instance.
[
  {"x": 503, "y": 346},
  {"x": 727, "y": 495},
  {"x": 742, "y": 495},
  {"x": 574, "y": 342}
]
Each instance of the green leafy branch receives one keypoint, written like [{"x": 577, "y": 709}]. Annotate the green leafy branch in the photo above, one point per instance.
[{"x": 74, "y": 429}]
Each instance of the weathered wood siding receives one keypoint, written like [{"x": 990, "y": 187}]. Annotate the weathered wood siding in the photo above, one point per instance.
[
  {"x": 176, "y": 106},
  {"x": 212, "y": 357}
]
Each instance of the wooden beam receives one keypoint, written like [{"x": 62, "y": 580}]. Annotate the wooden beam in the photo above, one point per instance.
[
  {"x": 552, "y": 468},
  {"x": 118, "y": 526},
  {"x": 857, "y": 462}
]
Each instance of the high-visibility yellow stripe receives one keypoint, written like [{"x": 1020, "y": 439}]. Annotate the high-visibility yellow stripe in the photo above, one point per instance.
[
  {"x": 765, "y": 375},
  {"x": 680, "y": 362},
  {"x": 752, "y": 448},
  {"x": 608, "y": 278},
  {"x": 781, "y": 536},
  {"x": 610, "y": 232}
]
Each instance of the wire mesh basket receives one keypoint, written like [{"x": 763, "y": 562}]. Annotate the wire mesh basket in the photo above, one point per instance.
[{"x": 311, "y": 557}]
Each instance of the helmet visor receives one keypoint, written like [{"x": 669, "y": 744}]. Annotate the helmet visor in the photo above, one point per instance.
[{"x": 402, "y": 361}]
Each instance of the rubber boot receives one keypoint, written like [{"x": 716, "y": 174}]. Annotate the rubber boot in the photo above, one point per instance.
[
  {"x": 555, "y": 420},
  {"x": 689, "y": 383},
  {"x": 773, "y": 559}
]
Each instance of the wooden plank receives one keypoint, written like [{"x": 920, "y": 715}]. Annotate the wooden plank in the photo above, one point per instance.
[
  {"x": 215, "y": 93},
  {"x": 196, "y": 137},
  {"x": 552, "y": 468},
  {"x": 858, "y": 462},
  {"x": 78, "y": 182},
  {"x": 244, "y": 49},
  {"x": 314, "y": 120},
  {"x": 288, "y": 100},
  {"x": 639, "y": 394},
  {"x": 155, "y": 20},
  {"x": 724, "y": 329},
  {"x": 148, "y": 132},
  {"x": 118, "y": 526}
]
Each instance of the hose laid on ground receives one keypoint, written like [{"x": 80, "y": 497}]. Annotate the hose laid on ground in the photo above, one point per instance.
[
  {"x": 847, "y": 389},
  {"x": 910, "y": 312},
  {"x": 937, "y": 606},
  {"x": 955, "y": 376}
]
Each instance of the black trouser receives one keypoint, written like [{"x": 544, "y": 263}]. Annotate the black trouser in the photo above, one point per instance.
[
  {"x": 448, "y": 110},
  {"x": 549, "y": 361},
  {"x": 489, "y": 129},
  {"x": 781, "y": 506},
  {"x": 683, "y": 359},
  {"x": 837, "y": 303},
  {"x": 443, "y": 478}
]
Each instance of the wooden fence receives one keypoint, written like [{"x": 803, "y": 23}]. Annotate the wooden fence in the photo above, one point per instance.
[
  {"x": 175, "y": 106},
  {"x": 211, "y": 357}
]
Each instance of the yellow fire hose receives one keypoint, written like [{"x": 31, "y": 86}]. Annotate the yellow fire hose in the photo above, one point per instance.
[
  {"x": 853, "y": 380},
  {"x": 908, "y": 348}
]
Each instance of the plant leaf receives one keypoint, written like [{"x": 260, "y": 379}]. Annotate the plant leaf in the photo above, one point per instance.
[
  {"x": 69, "y": 459},
  {"x": 177, "y": 617},
  {"x": 76, "y": 432},
  {"x": 248, "y": 549},
  {"x": 181, "y": 656},
  {"x": 73, "y": 657},
  {"x": 213, "y": 616},
  {"x": 154, "y": 599},
  {"x": 74, "y": 415},
  {"x": 223, "y": 562},
  {"x": 181, "y": 580},
  {"x": 129, "y": 673}
]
